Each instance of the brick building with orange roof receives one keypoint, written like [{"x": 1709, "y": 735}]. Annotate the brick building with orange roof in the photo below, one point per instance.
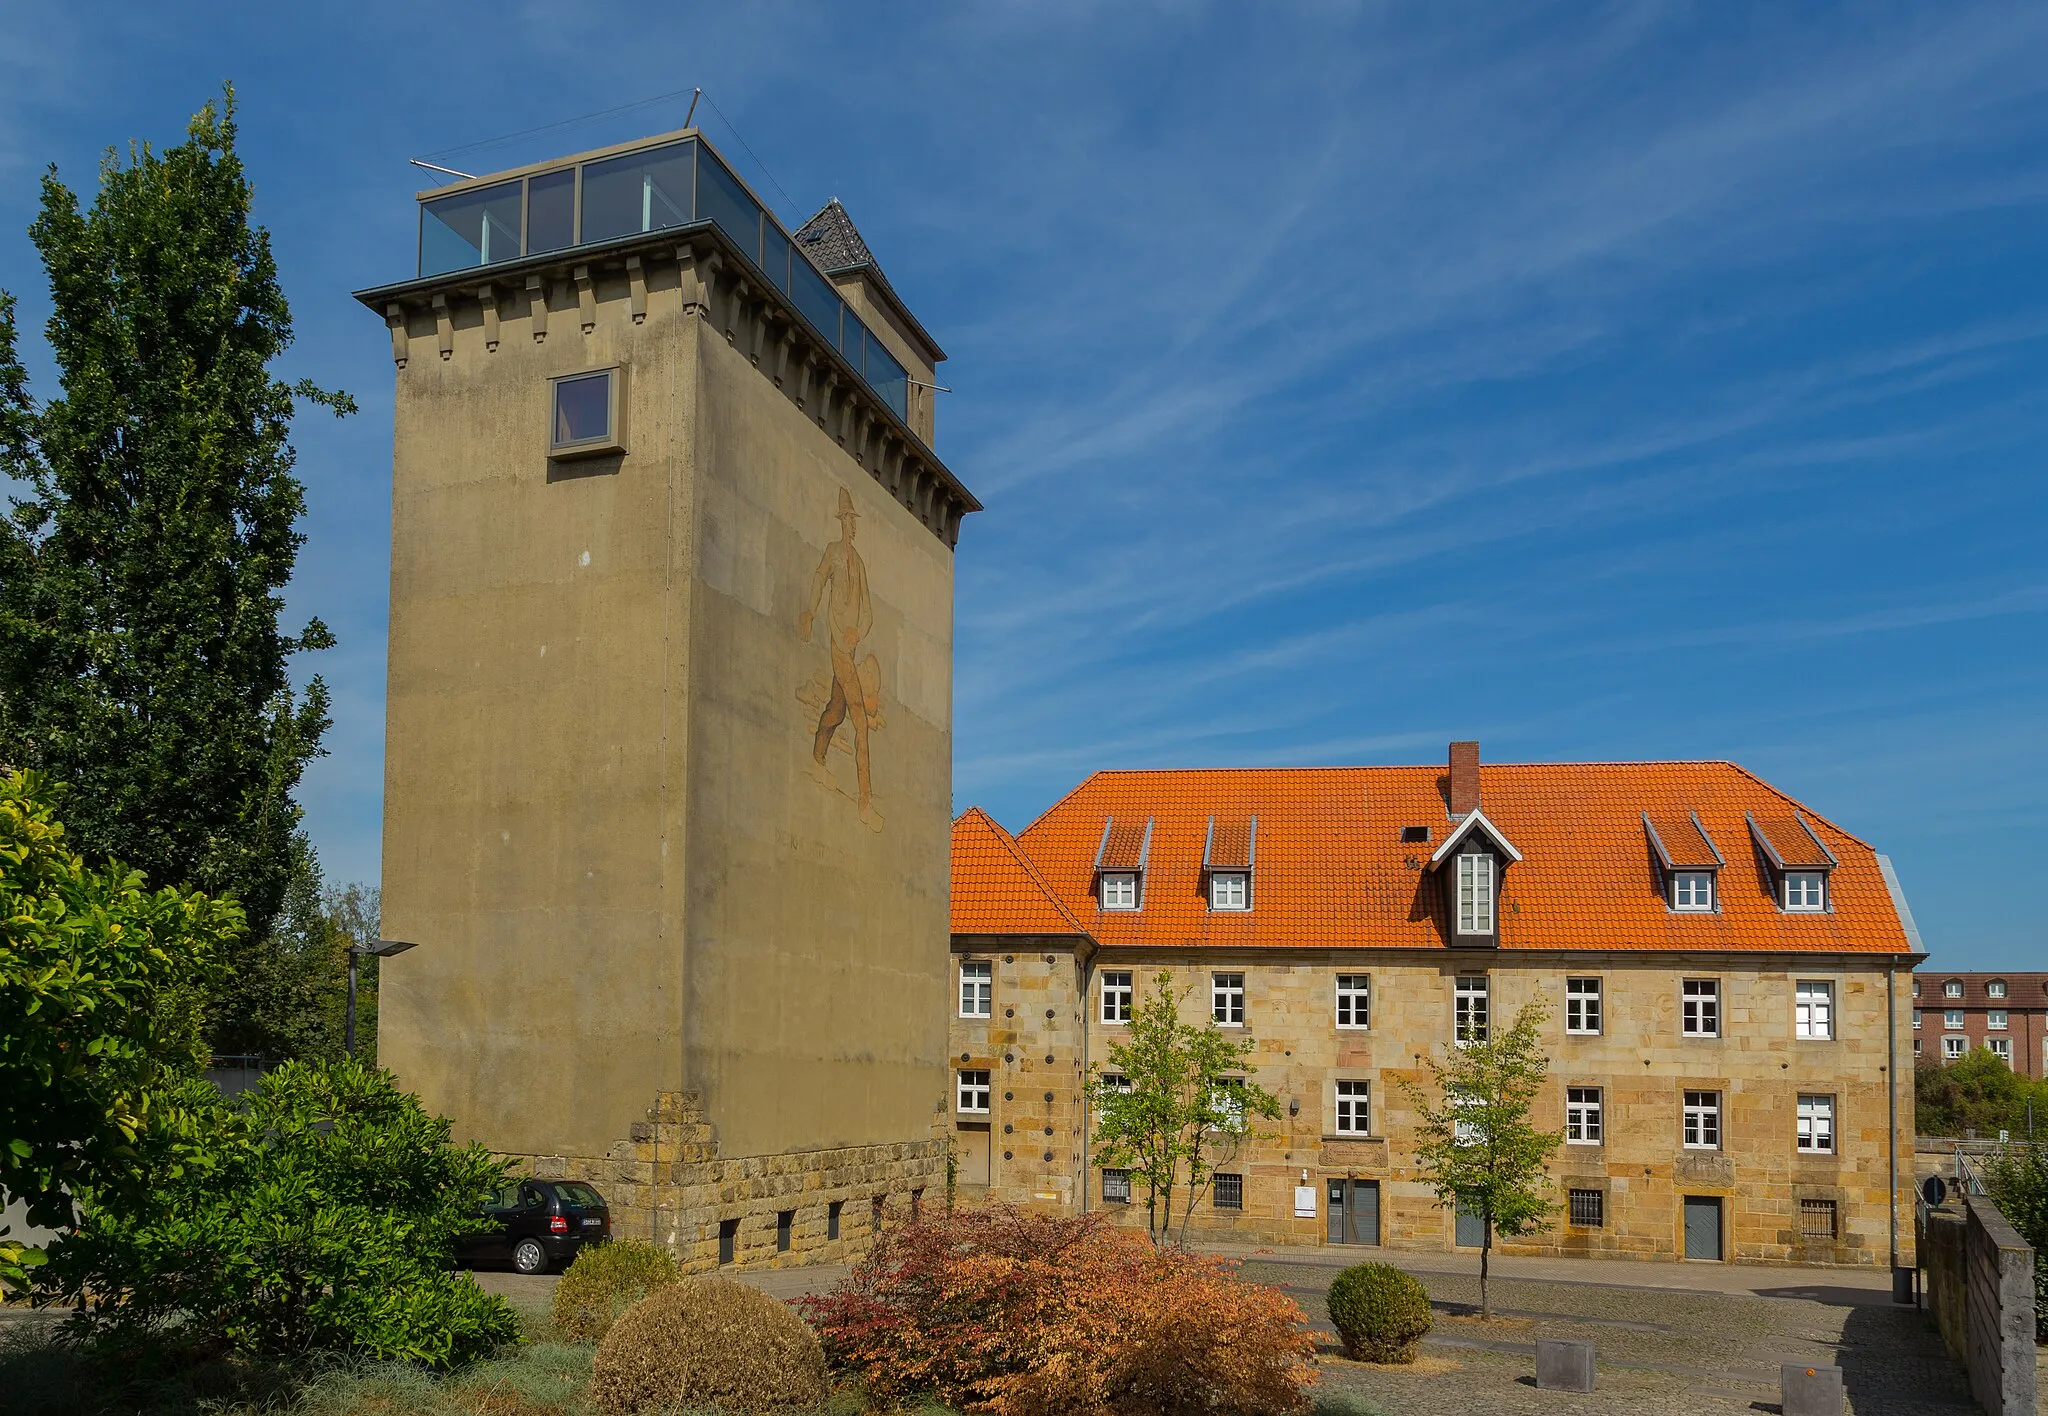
[{"x": 1726, "y": 977}]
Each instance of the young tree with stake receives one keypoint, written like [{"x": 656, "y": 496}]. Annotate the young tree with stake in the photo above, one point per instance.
[{"x": 1475, "y": 1143}]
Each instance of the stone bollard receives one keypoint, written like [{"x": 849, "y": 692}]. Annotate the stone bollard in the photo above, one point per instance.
[
  {"x": 1810, "y": 1391},
  {"x": 1563, "y": 1365}
]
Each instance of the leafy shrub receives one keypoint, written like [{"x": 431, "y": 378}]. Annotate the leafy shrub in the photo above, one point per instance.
[
  {"x": 707, "y": 1342},
  {"x": 1019, "y": 1314},
  {"x": 1380, "y": 1312},
  {"x": 604, "y": 1281},
  {"x": 2018, "y": 1182},
  {"x": 315, "y": 1213}
]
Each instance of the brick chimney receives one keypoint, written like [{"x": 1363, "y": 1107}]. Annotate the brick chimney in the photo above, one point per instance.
[{"x": 1464, "y": 779}]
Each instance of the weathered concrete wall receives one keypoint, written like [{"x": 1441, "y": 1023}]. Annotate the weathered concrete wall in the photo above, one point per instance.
[
  {"x": 1640, "y": 1061},
  {"x": 1998, "y": 1273},
  {"x": 606, "y": 827}
]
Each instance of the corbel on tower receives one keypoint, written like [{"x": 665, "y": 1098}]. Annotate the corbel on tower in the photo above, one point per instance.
[
  {"x": 711, "y": 265},
  {"x": 825, "y": 393},
  {"x": 487, "y": 296},
  {"x": 785, "y": 341},
  {"x": 444, "y": 325},
  {"x": 807, "y": 365},
  {"x": 736, "y": 311},
  {"x": 586, "y": 298},
  {"x": 636, "y": 289},
  {"x": 690, "y": 276},
  {"x": 537, "y": 307},
  {"x": 401, "y": 344}
]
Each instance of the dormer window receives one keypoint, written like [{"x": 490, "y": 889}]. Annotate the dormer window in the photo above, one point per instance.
[
  {"x": 1229, "y": 890},
  {"x": 1688, "y": 858},
  {"x": 1692, "y": 890},
  {"x": 1952, "y": 989},
  {"x": 1475, "y": 893},
  {"x": 1806, "y": 890},
  {"x": 1119, "y": 889},
  {"x": 1995, "y": 988},
  {"x": 1120, "y": 864},
  {"x": 1228, "y": 855}
]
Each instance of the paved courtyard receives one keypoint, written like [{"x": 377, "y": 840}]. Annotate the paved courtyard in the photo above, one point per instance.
[{"x": 1671, "y": 1338}]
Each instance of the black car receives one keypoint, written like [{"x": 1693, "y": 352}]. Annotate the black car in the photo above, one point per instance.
[{"x": 539, "y": 1225}]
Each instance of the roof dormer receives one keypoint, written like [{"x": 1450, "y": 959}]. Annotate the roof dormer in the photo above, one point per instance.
[
  {"x": 1229, "y": 852},
  {"x": 1688, "y": 860},
  {"x": 1799, "y": 861},
  {"x": 1120, "y": 862},
  {"x": 1470, "y": 862}
]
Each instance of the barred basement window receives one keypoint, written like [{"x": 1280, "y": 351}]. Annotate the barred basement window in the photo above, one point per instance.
[
  {"x": 1116, "y": 1187},
  {"x": 1588, "y": 1209},
  {"x": 1817, "y": 1220},
  {"x": 1228, "y": 1192}
]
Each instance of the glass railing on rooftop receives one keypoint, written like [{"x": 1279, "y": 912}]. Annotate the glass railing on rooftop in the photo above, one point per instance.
[{"x": 649, "y": 189}]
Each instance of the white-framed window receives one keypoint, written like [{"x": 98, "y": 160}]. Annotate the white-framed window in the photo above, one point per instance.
[
  {"x": 2001, "y": 1048},
  {"x": 1702, "y": 1120},
  {"x": 1692, "y": 890},
  {"x": 1354, "y": 1000},
  {"x": 1117, "y": 996},
  {"x": 1582, "y": 1005},
  {"x": 977, "y": 988},
  {"x": 1116, "y": 1082},
  {"x": 1226, "y": 999},
  {"x": 1813, "y": 1008},
  {"x": 1997, "y": 1020},
  {"x": 1916, "y": 1047},
  {"x": 1995, "y": 988},
  {"x": 1916, "y": 1017},
  {"x": 1230, "y": 890},
  {"x": 1475, "y": 893},
  {"x": 1954, "y": 1047},
  {"x": 1700, "y": 1007},
  {"x": 584, "y": 412},
  {"x": 1354, "y": 1108},
  {"x": 1952, "y": 1018},
  {"x": 1465, "y": 1128},
  {"x": 1116, "y": 1187},
  {"x": 1119, "y": 889},
  {"x": 1469, "y": 1009},
  {"x": 1806, "y": 890},
  {"x": 1227, "y": 1101},
  {"x": 1952, "y": 989},
  {"x": 1816, "y": 1124},
  {"x": 974, "y": 1090},
  {"x": 1582, "y": 1116}
]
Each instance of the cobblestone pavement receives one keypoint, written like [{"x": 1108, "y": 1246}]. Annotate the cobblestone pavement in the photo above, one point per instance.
[{"x": 1660, "y": 1350}]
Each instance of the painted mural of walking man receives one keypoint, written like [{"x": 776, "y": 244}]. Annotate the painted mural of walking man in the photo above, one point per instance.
[{"x": 841, "y": 583}]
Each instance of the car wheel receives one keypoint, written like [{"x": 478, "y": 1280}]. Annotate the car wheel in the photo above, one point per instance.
[{"x": 529, "y": 1257}]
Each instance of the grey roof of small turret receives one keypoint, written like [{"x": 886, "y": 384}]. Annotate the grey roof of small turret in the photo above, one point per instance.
[{"x": 835, "y": 246}]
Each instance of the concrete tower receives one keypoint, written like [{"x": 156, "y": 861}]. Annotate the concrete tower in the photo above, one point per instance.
[{"x": 669, "y": 723}]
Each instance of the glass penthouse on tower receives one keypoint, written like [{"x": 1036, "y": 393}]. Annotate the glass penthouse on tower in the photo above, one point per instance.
[{"x": 619, "y": 195}]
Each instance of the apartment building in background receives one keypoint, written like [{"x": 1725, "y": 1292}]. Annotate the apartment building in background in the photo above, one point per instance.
[
  {"x": 669, "y": 764},
  {"x": 1956, "y": 1013},
  {"x": 1726, "y": 976}
]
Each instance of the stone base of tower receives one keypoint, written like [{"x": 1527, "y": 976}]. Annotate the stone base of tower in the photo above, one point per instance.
[{"x": 667, "y": 1182}]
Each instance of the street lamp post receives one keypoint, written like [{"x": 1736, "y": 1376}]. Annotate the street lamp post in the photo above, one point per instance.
[{"x": 376, "y": 948}]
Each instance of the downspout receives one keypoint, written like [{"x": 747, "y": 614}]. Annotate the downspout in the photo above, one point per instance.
[
  {"x": 1087, "y": 1120},
  {"x": 1891, "y": 1093}
]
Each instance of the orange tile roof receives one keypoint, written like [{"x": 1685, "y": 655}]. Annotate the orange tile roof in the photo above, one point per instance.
[
  {"x": 1684, "y": 843},
  {"x": 1121, "y": 844},
  {"x": 1230, "y": 842},
  {"x": 1793, "y": 844},
  {"x": 1332, "y": 871},
  {"x": 996, "y": 890}
]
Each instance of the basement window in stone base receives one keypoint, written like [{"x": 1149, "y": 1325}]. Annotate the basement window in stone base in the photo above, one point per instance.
[
  {"x": 1228, "y": 1192},
  {"x": 585, "y": 412},
  {"x": 1817, "y": 1221},
  {"x": 1588, "y": 1209},
  {"x": 1116, "y": 1187}
]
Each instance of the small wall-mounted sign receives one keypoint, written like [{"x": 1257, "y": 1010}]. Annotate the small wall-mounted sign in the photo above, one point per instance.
[{"x": 1304, "y": 1202}]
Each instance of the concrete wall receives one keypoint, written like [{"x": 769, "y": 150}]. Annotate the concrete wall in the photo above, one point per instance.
[
  {"x": 1640, "y": 1062},
  {"x": 605, "y": 827},
  {"x": 1980, "y": 1287}
]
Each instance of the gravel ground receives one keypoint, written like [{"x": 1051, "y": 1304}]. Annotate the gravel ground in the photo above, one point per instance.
[{"x": 1659, "y": 1351}]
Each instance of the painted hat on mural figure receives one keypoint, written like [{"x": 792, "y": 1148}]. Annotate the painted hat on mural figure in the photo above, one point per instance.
[{"x": 846, "y": 504}]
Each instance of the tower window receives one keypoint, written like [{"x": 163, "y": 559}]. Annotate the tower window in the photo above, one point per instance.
[
  {"x": 977, "y": 988},
  {"x": 584, "y": 413}
]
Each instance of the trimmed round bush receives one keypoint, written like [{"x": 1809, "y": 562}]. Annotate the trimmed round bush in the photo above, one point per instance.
[
  {"x": 1380, "y": 1312},
  {"x": 604, "y": 1281},
  {"x": 708, "y": 1342}
]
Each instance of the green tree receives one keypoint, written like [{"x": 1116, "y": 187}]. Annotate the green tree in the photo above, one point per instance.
[
  {"x": 2018, "y": 1181},
  {"x": 141, "y": 576},
  {"x": 100, "y": 989},
  {"x": 1475, "y": 1144},
  {"x": 318, "y": 1212},
  {"x": 1173, "y": 1102},
  {"x": 1976, "y": 1094}
]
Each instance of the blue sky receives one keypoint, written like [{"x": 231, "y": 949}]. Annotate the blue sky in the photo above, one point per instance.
[{"x": 1597, "y": 381}]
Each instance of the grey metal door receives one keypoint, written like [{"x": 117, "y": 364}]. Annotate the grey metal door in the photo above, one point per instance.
[
  {"x": 1365, "y": 1211},
  {"x": 1702, "y": 1227},
  {"x": 1339, "y": 1231},
  {"x": 1471, "y": 1228}
]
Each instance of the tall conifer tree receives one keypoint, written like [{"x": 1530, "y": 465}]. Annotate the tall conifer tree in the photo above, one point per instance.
[{"x": 141, "y": 659}]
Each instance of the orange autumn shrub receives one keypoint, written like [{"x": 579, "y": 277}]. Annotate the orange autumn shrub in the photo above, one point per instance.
[{"x": 1016, "y": 1314}]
